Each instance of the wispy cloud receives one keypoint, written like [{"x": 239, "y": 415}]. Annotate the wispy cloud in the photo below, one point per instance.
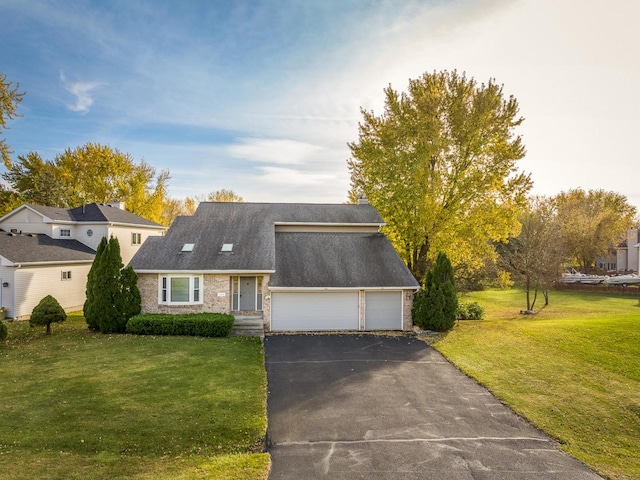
[
  {"x": 278, "y": 151},
  {"x": 81, "y": 91}
]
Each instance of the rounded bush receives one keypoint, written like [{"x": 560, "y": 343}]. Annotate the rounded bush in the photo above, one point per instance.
[{"x": 47, "y": 312}]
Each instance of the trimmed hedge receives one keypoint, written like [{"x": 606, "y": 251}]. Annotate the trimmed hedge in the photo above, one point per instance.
[{"x": 190, "y": 324}]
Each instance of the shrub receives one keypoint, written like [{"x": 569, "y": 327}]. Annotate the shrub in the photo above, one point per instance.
[
  {"x": 47, "y": 312},
  {"x": 3, "y": 332},
  {"x": 435, "y": 306},
  {"x": 112, "y": 293},
  {"x": 470, "y": 311},
  {"x": 191, "y": 324}
]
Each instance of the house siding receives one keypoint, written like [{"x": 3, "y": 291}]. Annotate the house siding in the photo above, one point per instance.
[
  {"x": 123, "y": 234},
  {"x": 8, "y": 293},
  {"x": 32, "y": 284},
  {"x": 27, "y": 221}
]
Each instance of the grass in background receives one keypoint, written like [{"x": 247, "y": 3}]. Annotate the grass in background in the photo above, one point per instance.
[
  {"x": 85, "y": 405},
  {"x": 573, "y": 369}
]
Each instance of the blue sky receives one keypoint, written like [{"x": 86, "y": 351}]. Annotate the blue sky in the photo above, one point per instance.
[{"x": 262, "y": 96}]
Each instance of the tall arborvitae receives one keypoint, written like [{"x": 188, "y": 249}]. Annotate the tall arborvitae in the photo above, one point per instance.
[
  {"x": 93, "y": 288},
  {"x": 130, "y": 299},
  {"x": 435, "y": 307},
  {"x": 109, "y": 298}
]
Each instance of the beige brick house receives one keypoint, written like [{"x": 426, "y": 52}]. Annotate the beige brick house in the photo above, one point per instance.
[{"x": 302, "y": 267}]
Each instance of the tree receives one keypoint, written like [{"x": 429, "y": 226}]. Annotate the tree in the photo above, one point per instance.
[
  {"x": 592, "y": 223},
  {"x": 189, "y": 205},
  {"x": 47, "y": 312},
  {"x": 439, "y": 165},
  {"x": 112, "y": 292},
  {"x": 10, "y": 98},
  {"x": 536, "y": 255},
  {"x": 130, "y": 298},
  {"x": 436, "y": 305},
  {"x": 90, "y": 173},
  {"x": 94, "y": 283}
]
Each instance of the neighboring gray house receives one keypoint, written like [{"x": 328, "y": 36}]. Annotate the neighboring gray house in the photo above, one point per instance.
[
  {"x": 303, "y": 267},
  {"x": 49, "y": 251}
]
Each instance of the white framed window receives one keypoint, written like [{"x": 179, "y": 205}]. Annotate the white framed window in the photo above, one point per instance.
[
  {"x": 136, "y": 238},
  {"x": 180, "y": 289},
  {"x": 65, "y": 275},
  {"x": 65, "y": 232}
]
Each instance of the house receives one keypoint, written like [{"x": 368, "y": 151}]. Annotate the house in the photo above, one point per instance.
[
  {"x": 627, "y": 253},
  {"x": 302, "y": 267},
  {"x": 49, "y": 251}
]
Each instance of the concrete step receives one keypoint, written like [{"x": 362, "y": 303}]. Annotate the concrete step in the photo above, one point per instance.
[{"x": 248, "y": 326}]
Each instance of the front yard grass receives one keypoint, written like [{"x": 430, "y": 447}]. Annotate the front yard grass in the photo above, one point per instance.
[
  {"x": 82, "y": 405},
  {"x": 573, "y": 369}
]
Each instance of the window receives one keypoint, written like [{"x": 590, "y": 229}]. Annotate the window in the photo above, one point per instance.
[
  {"x": 65, "y": 232},
  {"x": 136, "y": 238},
  {"x": 188, "y": 247},
  {"x": 180, "y": 289},
  {"x": 66, "y": 275}
]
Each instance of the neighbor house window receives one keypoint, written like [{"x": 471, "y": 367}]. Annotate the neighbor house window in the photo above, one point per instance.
[
  {"x": 180, "y": 289},
  {"x": 65, "y": 232},
  {"x": 66, "y": 275},
  {"x": 136, "y": 238}
]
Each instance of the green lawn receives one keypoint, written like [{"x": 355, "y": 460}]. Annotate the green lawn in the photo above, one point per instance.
[
  {"x": 573, "y": 369},
  {"x": 85, "y": 405}
]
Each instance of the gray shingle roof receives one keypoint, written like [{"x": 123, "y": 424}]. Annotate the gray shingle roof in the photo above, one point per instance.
[
  {"x": 338, "y": 260},
  {"x": 54, "y": 213},
  {"x": 93, "y": 213},
  {"x": 98, "y": 212},
  {"x": 42, "y": 248},
  {"x": 346, "y": 260}
]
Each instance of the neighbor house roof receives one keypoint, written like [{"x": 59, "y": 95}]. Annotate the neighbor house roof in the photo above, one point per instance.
[
  {"x": 33, "y": 248},
  {"x": 249, "y": 227},
  {"x": 100, "y": 212},
  {"x": 314, "y": 260},
  {"x": 91, "y": 213}
]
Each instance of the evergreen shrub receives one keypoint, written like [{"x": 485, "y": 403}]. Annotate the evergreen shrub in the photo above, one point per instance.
[
  {"x": 435, "y": 307},
  {"x": 190, "y": 324},
  {"x": 3, "y": 332},
  {"x": 47, "y": 312},
  {"x": 470, "y": 311}
]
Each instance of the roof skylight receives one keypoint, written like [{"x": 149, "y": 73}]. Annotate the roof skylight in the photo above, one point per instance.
[
  {"x": 188, "y": 247},
  {"x": 227, "y": 247}
]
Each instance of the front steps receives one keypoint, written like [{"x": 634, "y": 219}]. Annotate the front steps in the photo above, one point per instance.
[{"x": 248, "y": 326}]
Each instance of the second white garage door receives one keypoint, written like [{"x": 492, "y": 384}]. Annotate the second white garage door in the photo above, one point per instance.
[
  {"x": 314, "y": 311},
  {"x": 383, "y": 311}
]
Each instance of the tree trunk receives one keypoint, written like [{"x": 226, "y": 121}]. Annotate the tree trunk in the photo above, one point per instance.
[
  {"x": 546, "y": 297},
  {"x": 535, "y": 297},
  {"x": 48, "y": 331},
  {"x": 418, "y": 265},
  {"x": 527, "y": 289}
]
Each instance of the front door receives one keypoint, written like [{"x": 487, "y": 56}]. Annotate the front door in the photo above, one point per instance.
[{"x": 247, "y": 293}]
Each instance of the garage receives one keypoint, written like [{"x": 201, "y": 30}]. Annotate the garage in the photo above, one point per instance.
[
  {"x": 383, "y": 310},
  {"x": 308, "y": 311}
]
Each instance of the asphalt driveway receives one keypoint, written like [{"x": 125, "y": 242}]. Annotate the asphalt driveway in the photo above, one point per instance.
[{"x": 376, "y": 407}]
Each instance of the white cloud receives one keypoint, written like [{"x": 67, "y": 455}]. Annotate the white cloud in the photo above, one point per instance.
[
  {"x": 289, "y": 176},
  {"x": 81, "y": 90},
  {"x": 278, "y": 151}
]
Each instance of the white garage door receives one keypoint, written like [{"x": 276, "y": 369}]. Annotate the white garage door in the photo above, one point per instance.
[
  {"x": 314, "y": 311},
  {"x": 383, "y": 311}
]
